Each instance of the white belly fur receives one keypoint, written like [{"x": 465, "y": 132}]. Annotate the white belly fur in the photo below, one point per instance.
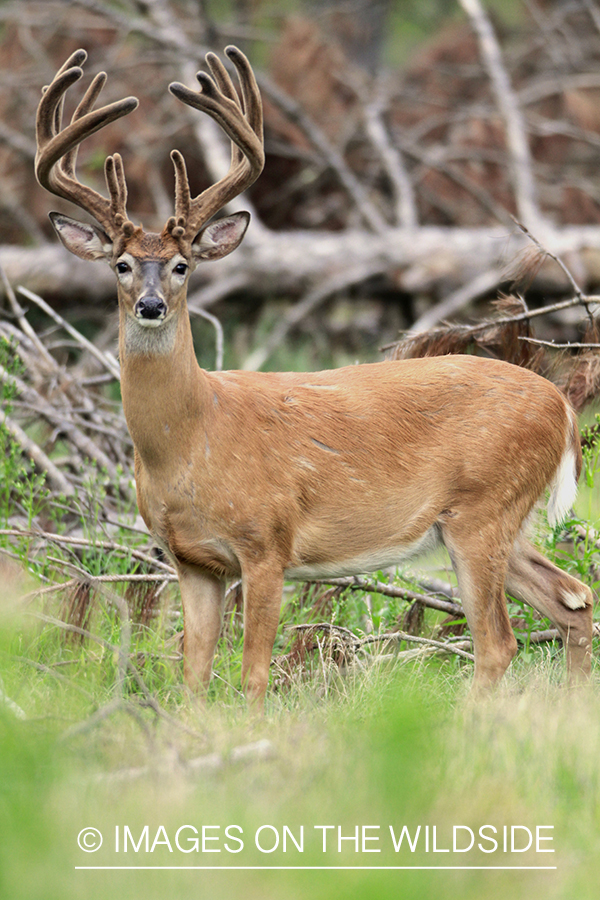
[{"x": 371, "y": 561}]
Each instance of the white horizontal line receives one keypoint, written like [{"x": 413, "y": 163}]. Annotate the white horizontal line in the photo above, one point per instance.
[{"x": 329, "y": 868}]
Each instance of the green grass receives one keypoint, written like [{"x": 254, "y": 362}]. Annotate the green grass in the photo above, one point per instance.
[{"x": 396, "y": 749}]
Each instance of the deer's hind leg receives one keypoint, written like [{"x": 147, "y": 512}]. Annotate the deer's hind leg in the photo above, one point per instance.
[
  {"x": 563, "y": 599},
  {"x": 479, "y": 554}
]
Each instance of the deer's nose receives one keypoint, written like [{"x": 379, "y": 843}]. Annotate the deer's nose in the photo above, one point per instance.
[{"x": 150, "y": 308}]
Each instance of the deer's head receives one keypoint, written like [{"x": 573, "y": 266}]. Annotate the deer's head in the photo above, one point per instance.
[{"x": 152, "y": 269}]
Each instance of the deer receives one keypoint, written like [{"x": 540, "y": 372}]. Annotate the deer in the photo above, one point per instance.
[{"x": 267, "y": 477}]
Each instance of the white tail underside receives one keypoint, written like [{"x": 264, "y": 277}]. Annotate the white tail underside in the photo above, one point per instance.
[{"x": 564, "y": 488}]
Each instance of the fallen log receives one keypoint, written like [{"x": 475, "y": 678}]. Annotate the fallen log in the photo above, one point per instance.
[{"x": 428, "y": 260}]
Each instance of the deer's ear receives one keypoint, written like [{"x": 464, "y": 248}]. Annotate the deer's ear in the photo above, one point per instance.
[
  {"x": 221, "y": 237},
  {"x": 85, "y": 241}
]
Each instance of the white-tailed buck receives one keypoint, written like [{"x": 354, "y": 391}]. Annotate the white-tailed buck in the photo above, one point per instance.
[{"x": 271, "y": 476}]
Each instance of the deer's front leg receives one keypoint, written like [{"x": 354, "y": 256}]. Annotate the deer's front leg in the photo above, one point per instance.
[
  {"x": 203, "y": 599},
  {"x": 262, "y": 589}
]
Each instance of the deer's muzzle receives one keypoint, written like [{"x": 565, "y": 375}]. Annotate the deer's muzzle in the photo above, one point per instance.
[{"x": 152, "y": 309}]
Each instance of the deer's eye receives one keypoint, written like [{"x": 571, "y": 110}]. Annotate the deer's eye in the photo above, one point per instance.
[
  {"x": 122, "y": 268},
  {"x": 180, "y": 269}
]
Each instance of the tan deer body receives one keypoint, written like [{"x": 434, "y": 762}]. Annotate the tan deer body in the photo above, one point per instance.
[
  {"x": 272, "y": 476},
  {"x": 348, "y": 471}
]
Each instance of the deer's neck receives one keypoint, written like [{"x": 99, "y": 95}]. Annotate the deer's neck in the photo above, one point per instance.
[{"x": 162, "y": 387}]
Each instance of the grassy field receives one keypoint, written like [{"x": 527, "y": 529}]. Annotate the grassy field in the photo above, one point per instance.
[{"x": 398, "y": 747}]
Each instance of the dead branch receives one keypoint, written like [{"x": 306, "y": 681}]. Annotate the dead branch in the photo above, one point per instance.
[
  {"x": 474, "y": 330},
  {"x": 405, "y": 206},
  {"x": 357, "y": 583},
  {"x": 29, "y": 447},
  {"x": 554, "y": 345},
  {"x": 457, "y": 300},
  {"x": 73, "y": 629},
  {"x": 400, "y": 636},
  {"x": 36, "y": 404},
  {"x": 392, "y": 636},
  {"x": 22, "y": 320},
  {"x": 107, "y": 360},
  {"x": 370, "y": 214},
  {"x": 47, "y": 391},
  {"x": 516, "y": 133},
  {"x": 219, "y": 337},
  {"x": 107, "y": 546}
]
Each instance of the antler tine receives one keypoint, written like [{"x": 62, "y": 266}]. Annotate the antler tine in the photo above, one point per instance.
[
  {"x": 117, "y": 187},
  {"x": 91, "y": 95},
  {"x": 58, "y": 147},
  {"x": 241, "y": 120},
  {"x": 226, "y": 88},
  {"x": 54, "y": 122},
  {"x": 252, "y": 103},
  {"x": 221, "y": 76}
]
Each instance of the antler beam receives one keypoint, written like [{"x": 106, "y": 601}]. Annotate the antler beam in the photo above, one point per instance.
[
  {"x": 241, "y": 119},
  {"x": 57, "y": 147}
]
